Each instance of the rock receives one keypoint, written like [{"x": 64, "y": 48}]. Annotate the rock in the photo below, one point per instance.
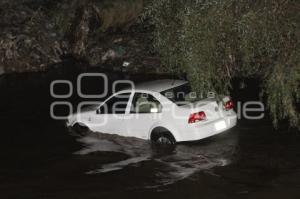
[
  {"x": 110, "y": 54},
  {"x": 117, "y": 13},
  {"x": 126, "y": 64},
  {"x": 118, "y": 40}
]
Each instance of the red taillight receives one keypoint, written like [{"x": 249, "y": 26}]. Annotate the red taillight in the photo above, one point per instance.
[
  {"x": 196, "y": 117},
  {"x": 228, "y": 105}
]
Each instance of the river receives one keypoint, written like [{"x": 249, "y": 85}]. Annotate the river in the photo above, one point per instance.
[{"x": 41, "y": 159}]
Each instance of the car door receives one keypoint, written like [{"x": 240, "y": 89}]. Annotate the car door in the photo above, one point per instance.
[
  {"x": 144, "y": 110},
  {"x": 109, "y": 118}
]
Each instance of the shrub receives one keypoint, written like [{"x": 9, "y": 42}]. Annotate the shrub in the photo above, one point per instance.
[{"x": 215, "y": 41}]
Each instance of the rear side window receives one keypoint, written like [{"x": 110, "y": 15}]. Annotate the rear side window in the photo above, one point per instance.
[
  {"x": 145, "y": 103},
  {"x": 181, "y": 95}
]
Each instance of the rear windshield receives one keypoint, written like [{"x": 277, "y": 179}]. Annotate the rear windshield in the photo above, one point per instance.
[{"x": 181, "y": 95}]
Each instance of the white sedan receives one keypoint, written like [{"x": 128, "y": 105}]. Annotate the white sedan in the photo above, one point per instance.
[{"x": 163, "y": 111}]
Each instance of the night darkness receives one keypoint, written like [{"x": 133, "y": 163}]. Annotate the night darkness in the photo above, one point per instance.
[{"x": 51, "y": 50}]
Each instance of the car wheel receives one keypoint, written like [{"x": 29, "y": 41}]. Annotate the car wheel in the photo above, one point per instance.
[{"x": 164, "y": 139}]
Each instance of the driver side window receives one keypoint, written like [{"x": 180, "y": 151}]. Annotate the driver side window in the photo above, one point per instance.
[
  {"x": 145, "y": 103},
  {"x": 116, "y": 104}
]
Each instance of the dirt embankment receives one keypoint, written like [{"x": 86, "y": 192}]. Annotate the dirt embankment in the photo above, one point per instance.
[{"x": 37, "y": 34}]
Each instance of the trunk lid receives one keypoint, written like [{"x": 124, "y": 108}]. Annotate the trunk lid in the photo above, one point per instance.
[{"x": 211, "y": 107}]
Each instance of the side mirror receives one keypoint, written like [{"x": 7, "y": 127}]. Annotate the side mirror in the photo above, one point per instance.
[{"x": 98, "y": 111}]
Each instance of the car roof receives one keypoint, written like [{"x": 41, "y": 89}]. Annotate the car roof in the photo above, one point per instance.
[{"x": 159, "y": 85}]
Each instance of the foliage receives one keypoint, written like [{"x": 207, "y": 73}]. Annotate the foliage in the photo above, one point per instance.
[
  {"x": 81, "y": 19},
  {"x": 36, "y": 34},
  {"x": 232, "y": 38}
]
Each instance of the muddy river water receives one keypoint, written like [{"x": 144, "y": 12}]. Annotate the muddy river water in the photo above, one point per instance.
[{"x": 39, "y": 158}]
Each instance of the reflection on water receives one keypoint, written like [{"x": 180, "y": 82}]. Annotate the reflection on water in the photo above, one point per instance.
[{"x": 175, "y": 164}]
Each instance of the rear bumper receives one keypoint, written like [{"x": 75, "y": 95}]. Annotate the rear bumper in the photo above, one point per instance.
[{"x": 200, "y": 131}]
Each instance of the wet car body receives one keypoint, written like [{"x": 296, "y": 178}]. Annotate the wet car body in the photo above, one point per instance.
[{"x": 154, "y": 111}]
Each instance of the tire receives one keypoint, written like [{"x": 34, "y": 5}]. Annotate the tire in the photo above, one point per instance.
[{"x": 163, "y": 139}]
